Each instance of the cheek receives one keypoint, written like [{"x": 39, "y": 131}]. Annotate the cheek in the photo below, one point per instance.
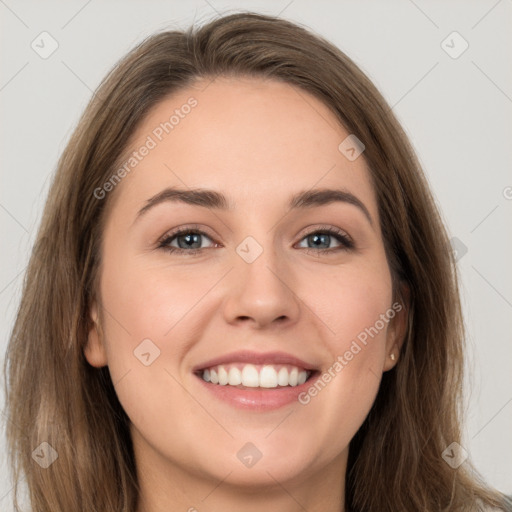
[
  {"x": 152, "y": 316},
  {"x": 150, "y": 302},
  {"x": 349, "y": 301},
  {"x": 361, "y": 319},
  {"x": 354, "y": 305},
  {"x": 147, "y": 318}
]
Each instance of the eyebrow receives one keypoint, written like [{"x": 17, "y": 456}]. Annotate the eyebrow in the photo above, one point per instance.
[{"x": 218, "y": 201}]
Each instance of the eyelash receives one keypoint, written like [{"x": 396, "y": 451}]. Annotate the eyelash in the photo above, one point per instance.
[{"x": 340, "y": 236}]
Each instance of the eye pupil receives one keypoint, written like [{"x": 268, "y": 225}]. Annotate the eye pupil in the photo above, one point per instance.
[
  {"x": 317, "y": 238},
  {"x": 191, "y": 238}
]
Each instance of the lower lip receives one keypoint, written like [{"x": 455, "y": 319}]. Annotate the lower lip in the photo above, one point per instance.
[{"x": 258, "y": 399}]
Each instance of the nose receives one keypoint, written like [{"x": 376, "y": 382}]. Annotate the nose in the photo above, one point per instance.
[{"x": 261, "y": 293}]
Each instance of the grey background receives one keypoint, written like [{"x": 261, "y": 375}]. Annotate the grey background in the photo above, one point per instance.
[{"x": 457, "y": 113}]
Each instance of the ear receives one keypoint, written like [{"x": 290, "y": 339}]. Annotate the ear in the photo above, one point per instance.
[
  {"x": 397, "y": 328},
  {"x": 94, "y": 350}
]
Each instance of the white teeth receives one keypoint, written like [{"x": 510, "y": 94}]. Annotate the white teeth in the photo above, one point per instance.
[
  {"x": 253, "y": 376},
  {"x": 223, "y": 376},
  {"x": 268, "y": 377},
  {"x": 282, "y": 377},
  {"x": 292, "y": 379},
  {"x": 250, "y": 377},
  {"x": 235, "y": 376}
]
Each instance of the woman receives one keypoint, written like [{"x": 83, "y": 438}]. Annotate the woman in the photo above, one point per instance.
[{"x": 186, "y": 342}]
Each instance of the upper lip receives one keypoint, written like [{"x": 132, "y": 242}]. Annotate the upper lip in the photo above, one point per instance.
[{"x": 249, "y": 357}]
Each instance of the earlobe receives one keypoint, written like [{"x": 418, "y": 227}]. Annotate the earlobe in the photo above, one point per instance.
[
  {"x": 397, "y": 330},
  {"x": 94, "y": 349}
]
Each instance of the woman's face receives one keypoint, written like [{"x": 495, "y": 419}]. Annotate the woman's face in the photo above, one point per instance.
[{"x": 271, "y": 298}]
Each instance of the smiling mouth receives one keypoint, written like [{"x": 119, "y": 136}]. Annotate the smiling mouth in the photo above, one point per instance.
[{"x": 255, "y": 376}]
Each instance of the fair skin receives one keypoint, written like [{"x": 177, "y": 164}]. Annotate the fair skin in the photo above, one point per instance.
[{"x": 258, "y": 143}]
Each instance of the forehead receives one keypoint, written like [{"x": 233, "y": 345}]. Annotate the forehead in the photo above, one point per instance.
[{"x": 257, "y": 140}]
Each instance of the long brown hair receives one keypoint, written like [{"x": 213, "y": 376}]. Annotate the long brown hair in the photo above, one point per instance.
[{"x": 53, "y": 395}]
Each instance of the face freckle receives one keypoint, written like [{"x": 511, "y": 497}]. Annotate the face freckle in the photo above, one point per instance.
[{"x": 268, "y": 279}]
